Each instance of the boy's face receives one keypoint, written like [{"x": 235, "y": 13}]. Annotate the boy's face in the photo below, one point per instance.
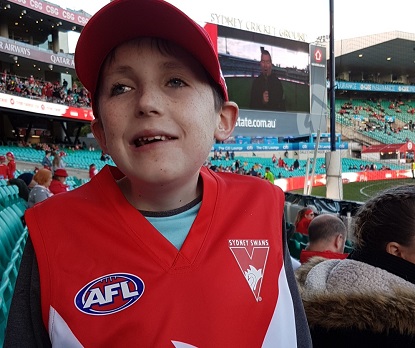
[{"x": 156, "y": 110}]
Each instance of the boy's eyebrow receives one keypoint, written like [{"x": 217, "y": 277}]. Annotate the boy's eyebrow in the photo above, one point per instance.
[
  {"x": 126, "y": 69},
  {"x": 121, "y": 69},
  {"x": 173, "y": 65}
]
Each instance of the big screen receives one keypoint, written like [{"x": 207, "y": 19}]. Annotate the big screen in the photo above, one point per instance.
[{"x": 264, "y": 72}]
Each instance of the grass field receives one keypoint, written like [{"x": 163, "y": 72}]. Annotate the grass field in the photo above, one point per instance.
[{"x": 361, "y": 191}]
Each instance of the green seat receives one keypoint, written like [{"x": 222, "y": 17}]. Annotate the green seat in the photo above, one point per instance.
[
  {"x": 294, "y": 246},
  {"x": 298, "y": 236},
  {"x": 6, "y": 237},
  {"x": 348, "y": 249},
  {"x": 4, "y": 198},
  {"x": 3, "y": 319}
]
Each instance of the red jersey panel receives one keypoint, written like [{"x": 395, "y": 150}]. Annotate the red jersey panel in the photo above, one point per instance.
[{"x": 109, "y": 277}]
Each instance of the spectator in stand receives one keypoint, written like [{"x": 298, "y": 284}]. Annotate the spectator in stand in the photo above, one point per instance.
[
  {"x": 104, "y": 156},
  {"x": 253, "y": 172},
  {"x": 11, "y": 164},
  {"x": 92, "y": 170},
  {"x": 46, "y": 162},
  {"x": 41, "y": 190},
  {"x": 44, "y": 90},
  {"x": 326, "y": 238},
  {"x": 296, "y": 164},
  {"x": 268, "y": 175},
  {"x": 368, "y": 299},
  {"x": 303, "y": 219},
  {"x": 58, "y": 181},
  {"x": 23, "y": 188},
  {"x": 57, "y": 162},
  {"x": 4, "y": 169},
  {"x": 27, "y": 177}
]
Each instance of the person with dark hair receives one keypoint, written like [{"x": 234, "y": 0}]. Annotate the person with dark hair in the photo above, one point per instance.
[
  {"x": 267, "y": 92},
  {"x": 92, "y": 170},
  {"x": 268, "y": 175},
  {"x": 143, "y": 254},
  {"x": 23, "y": 188},
  {"x": 27, "y": 177},
  {"x": 46, "y": 162},
  {"x": 368, "y": 299},
  {"x": 326, "y": 238}
]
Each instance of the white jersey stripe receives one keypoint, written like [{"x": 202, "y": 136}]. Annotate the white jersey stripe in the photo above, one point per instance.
[
  {"x": 60, "y": 334},
  {"x": 282, "y": 331}
]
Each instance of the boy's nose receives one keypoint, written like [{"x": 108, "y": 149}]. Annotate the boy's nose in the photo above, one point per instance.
[{"x": 148, "y": 102}]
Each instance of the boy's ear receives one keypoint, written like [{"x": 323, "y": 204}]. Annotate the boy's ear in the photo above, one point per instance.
[
  {"x": 228, "y": 116},
  {"x": 99, "y": 134}
]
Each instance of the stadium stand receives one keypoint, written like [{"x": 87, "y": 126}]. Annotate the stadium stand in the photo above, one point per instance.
[{"x": 12, "y": 240}]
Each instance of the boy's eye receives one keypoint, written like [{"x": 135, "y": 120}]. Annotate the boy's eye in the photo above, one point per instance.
[
  {"x": 119, "y": 89},
  {"x": 176, "y": 82}
]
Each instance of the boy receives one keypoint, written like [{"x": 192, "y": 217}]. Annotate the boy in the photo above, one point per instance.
[{"x": 151, "y": 253}]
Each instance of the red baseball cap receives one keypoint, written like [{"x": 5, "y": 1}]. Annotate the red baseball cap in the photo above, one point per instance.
[
  {"x": 2, "y": 158},
  {"x": 61, "y": 172},
  {"x": 124, "y": 20},
  {"x": 10, "y": 154}
]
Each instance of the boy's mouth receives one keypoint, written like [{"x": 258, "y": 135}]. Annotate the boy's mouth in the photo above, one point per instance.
[{"x": 148, "y": 140}]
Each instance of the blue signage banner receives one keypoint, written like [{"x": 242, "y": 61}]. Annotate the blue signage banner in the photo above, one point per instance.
[
  {"x": 374, "y": 87},
  {"x": 278, "y": 147}
]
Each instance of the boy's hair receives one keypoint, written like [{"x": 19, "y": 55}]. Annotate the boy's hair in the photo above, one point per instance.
[
  {"x": 123, "y": 20},
  {"x": 387, "y": 217}
]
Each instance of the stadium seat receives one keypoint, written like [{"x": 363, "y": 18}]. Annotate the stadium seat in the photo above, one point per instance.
[
  {"x": 294, "y": 246},
  {"x": 300, "y": 237}
]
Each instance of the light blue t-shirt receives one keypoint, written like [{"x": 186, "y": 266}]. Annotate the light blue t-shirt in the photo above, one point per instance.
[{"x": 176, "y": 227}]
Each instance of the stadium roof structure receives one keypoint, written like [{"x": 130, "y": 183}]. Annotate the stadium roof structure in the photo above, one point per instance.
[
  {"x": 389, "y": 52},
  {"x": 387, "y": 148}
]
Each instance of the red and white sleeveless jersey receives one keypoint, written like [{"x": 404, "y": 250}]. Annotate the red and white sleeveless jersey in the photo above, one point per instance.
[{"x": 109, "y": 278}]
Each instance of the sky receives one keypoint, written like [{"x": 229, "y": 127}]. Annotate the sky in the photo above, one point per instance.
[{"x": 352, "y": 18}]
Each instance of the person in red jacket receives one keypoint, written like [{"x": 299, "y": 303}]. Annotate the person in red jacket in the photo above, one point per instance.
[
  {"x": 92, "y": 170},
  {"x": 11, "y": 164},
  {"x": 4, "y": 169},
  {"x": 303, "y": 219},
  {"x": 58, "y": 181}
]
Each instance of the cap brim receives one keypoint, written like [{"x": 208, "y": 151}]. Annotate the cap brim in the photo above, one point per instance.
[{"x": 124, "y": 20}]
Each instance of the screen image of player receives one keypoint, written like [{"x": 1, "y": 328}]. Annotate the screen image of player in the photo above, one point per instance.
[{"x": 264, "y": 72}]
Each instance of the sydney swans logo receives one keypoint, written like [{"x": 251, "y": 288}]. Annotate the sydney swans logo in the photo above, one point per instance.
[{"x": 251, "y": 256}]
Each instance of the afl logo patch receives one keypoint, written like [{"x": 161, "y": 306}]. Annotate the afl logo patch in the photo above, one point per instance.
[{"x": 109, "y": 294}]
